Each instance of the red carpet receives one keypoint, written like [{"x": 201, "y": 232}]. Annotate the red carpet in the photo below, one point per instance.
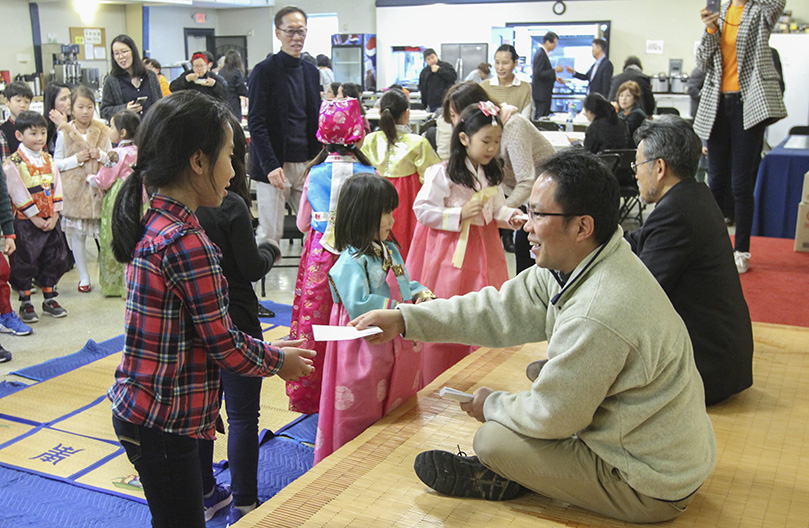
[{"x": 777, "y": 285}]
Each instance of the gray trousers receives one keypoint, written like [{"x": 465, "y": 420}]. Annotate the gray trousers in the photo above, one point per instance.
[
  {"x": 567, "y": 470},
  {"x": 270, "y": 202}
]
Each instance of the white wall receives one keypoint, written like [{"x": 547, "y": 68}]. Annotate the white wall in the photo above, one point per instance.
[
  {"x": 17, "y": 41},
  {"x": 256, "y": 23},
  {"x": 166, "y": 23},
  {"x": 354, "y": 16},
  {"x": 55, "y": 18}
]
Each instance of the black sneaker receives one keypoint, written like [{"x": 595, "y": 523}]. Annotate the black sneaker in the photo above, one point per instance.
[
  {"x": 27, "y": 313},
  {"x": 5, "y": 355},
  {"x": 533, "y": 368},
  {"x": 52, "y": 307},
  {"x": 463, "y": 476},
  {"x": 265, "y": 312}
]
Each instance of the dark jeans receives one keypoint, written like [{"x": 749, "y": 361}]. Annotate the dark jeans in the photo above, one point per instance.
[
  {"x": 242, "y": 400},
  {"x": 168, "y": 466},
  {"x": 734, "y": 155}
]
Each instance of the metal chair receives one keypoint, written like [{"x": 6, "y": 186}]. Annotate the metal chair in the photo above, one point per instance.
[
  {"x": 799, "y": 131},
  {"x": 667, "y": 110},
  {"x": 620, "y": 162}
]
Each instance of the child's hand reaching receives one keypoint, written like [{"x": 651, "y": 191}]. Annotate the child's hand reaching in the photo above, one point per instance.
[
  {"x": 297, "y": 362},
  {"x": 517, "y": 220},
  {"x": 471, "y": 209}
]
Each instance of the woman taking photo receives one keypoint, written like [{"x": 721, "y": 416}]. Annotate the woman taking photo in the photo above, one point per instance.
[
  {"x": 740, "y": 98},
  {"x": 201, "y": 79},
  {"x": 507, "y": 87},
  {"x": 630, "y": 111},
  {"x": 129, "y": 86}
]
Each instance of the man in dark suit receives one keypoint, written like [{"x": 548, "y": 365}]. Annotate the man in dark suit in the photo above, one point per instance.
[
  {"x": 600, "y": 73},
  {"x": 685, "y": 245},
  {"x": 284, "y": 95},
  {"x": 544, "y": 75},
  {"x": 633, "y": 71},
  {"x": 435, "y": 80}
]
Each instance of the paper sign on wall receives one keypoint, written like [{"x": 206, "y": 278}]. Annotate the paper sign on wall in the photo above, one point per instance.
[
  {"x": 92, "y": 36},
  {"x": 654, "y": 47}
]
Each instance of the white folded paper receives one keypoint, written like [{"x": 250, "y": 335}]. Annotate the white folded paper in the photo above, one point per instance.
[
  {"x": 455, "y": 394},
  {"x": 342, "y": 333}
]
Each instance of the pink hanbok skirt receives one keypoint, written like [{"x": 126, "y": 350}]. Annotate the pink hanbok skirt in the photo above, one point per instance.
[
  {"x": 430, "y": 263},
  {"x": 404, "y": 224},
  {"x": 312, "y": 306},
  {"x": 361, "y": 384}
]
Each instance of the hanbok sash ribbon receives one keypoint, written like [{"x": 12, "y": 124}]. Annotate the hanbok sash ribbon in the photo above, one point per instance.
[{"x": 484, "y": 195}]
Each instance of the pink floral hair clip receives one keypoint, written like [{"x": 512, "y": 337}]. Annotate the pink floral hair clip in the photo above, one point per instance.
[{"x": 489, "y": 109}]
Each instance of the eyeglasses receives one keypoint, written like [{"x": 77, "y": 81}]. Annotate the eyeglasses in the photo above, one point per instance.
[
  {"x": 121, "y": 53},
  {"x": 635, "y": 166},
  {"x": 533, "y": 215},
  {"x": 300, "y": 32}
]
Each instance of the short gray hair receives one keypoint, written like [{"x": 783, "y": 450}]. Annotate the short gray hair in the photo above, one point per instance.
[{"x": 672, "y": 139}]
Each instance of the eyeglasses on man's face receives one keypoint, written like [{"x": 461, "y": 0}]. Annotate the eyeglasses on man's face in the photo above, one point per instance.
[
  {"x": 635, "y": 166},
  {"x": 300, "y": 32},
  {"x": 534, "y": 215}
]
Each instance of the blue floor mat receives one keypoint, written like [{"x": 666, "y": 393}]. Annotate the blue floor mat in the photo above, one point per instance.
[
  {"x": 283, "y": 313},
  {"x": 10, "y": 387},
  {"x": 58, "y": 366},
  {"x": 303, "y": 429},
  {"x": 30, "y": 501}
]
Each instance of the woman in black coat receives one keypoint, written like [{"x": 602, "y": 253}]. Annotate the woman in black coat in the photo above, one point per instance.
[
  {"x": 606, "y": 131},
  {"x": 200, "y": 79},
  {"x": 233, "y": 73},
  {"x": 129, "y": 86}
]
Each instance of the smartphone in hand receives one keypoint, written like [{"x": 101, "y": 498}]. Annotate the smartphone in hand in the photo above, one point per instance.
[
  {"x": 713, "y": 5},
  {"x": 142, "y": 99}
]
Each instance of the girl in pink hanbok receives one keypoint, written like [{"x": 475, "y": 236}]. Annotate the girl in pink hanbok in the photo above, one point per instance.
[
  {"x": 340, "y": 129},
  {"x": 363, "y": 382},
  {"x": 456, "y": 247}
]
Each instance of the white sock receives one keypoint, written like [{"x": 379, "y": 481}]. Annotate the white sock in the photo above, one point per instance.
[{"x": 80, "y": 256}]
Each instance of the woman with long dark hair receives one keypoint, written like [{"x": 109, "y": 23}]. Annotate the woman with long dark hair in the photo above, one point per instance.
[
  {"x": 233, "y": 72},
  {"x": 129, "y": 86},
  {"x": 57, "y": 110}
]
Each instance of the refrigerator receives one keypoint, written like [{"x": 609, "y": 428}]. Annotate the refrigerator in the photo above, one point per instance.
[
  {"x": 794, "y": 51},
  {"x": 353, "y": 58},
  {"x": 465, "y": 57}
]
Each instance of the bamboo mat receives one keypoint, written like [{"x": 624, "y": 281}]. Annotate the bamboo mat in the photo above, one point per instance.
[
  {"x": 62, "y": 427},
  {"x": 761, "y": 479}
]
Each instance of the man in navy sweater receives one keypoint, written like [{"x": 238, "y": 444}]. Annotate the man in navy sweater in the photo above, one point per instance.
[{"x": 284, "y": 93}]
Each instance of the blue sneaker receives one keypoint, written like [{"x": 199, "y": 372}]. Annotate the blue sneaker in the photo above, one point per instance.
[
  {"x": 10, "y": 323},
  {"x": 5, "y": 355},
  {"x": 220, "y": 498},
  {"x": 236, "y": 513}
]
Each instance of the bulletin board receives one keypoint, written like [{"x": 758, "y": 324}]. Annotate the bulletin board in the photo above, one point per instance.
[{"x": 92, "y": 42}]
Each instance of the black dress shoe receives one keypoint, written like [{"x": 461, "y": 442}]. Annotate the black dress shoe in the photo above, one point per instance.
[
  {"x": 463, "y": 476},
  {"x": 264, "y": 312}
]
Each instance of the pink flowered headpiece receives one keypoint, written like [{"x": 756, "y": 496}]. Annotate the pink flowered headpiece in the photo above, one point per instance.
[
  {"x": 489, "y": 109},
  {"x": 340, "y": 122}
]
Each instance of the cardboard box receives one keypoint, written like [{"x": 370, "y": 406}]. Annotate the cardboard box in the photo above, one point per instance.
[
  {"x": 805, "y": 193},
  {"x": 802, "y": 228}
]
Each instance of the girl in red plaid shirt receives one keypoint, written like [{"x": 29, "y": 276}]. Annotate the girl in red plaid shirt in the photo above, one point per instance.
[{"x": 178, "y": 331}]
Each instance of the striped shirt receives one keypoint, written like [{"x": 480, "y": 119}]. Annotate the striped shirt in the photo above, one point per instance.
[{"x": 178, "y": 331}]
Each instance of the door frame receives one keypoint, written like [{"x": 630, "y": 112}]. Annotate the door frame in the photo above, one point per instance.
[{"x": 208, "y": 33}]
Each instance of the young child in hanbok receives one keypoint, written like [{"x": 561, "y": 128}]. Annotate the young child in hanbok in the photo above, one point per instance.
[
  {"x": 341, "y": 131},
  {"x": 109, "y": 179},
  {"x": 81, "y": 149},
  {"x": 401, "y": 157},
  {"x": 363, "y": 382},
  {"x": 456, "y": 247}
]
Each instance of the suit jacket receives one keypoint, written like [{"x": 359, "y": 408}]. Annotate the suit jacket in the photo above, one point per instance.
[
  {"x": 269, "y": 101},
  {"x": 762, "y": 100},
  {"x": 685, "y": 245},
  {"x": 543, "y": 77},
  {"x": 647, "y": 99},
  {"x": 601, "y": 81}
]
